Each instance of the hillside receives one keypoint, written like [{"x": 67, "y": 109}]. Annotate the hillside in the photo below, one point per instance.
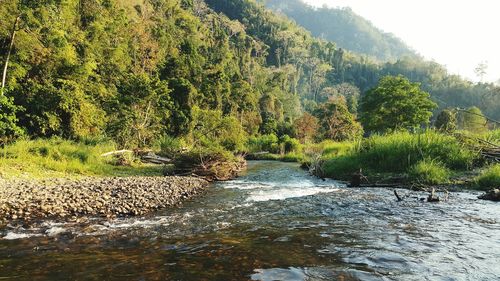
[
  {"x": 135, "y": 70},
  {"x": 341, "y": 25}
]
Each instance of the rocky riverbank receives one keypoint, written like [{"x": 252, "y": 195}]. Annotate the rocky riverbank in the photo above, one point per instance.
[{"x": 101, "y": 197}]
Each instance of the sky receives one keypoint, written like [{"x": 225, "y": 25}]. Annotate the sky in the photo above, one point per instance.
[{"x": 458, "y": 34}]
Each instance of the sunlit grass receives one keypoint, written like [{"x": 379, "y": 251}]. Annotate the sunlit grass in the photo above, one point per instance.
[
  {"x": 429, "y": 172},
  {"x": 398, "y": 152},
  {"x": 62, "y": 158},
  {"x": 489, "y": 178}
]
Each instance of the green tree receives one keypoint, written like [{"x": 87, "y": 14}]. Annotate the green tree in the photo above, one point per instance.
[
  {"x": 395, "y": 103},
  {"x": 446, "y": 121},
  {"x": 8, "y": 120},
  {"x": 336, "y": 122}
]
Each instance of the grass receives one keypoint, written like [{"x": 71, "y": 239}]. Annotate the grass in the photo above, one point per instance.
[
  {"x": 489, "y": 178},
  {"x": 429, "y": 172},
  {"x": 399, "y": 153},
  {"x": 62, "y": 158}
]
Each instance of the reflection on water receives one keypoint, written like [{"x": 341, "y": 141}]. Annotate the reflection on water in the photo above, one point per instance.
[{"x": 274, "y": 223}]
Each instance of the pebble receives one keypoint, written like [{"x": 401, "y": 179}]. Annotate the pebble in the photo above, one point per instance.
[{"x": 98, "y": 197}]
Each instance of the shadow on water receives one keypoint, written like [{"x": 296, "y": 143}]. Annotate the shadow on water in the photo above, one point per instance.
[{"x": 273, "y": 223}]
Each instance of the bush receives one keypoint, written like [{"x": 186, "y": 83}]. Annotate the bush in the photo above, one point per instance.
[
  {"x": 429, "y": 172},
  {"x": 170, "y": 146},
  {"x": 290, "y": 144},
  {"x": 212, "y": 129},
  {"x": 264, "y": 143},
  {"x": 489, "y": 178}
]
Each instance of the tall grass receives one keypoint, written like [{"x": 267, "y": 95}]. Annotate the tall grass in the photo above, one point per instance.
[
  {"x": 429, "y": 172},
  {"x": 489, "y": 178},
  {"x": 63, "y": 158},
  {"x": 398, "y": 152}
]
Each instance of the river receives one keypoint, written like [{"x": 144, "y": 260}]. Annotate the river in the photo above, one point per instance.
[{"x": 275, "y": 222}]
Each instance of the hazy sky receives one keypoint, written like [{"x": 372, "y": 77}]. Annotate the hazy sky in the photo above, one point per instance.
[{"x": 456, "y": 33}]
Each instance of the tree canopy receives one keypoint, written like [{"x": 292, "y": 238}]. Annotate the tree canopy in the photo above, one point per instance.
[{"x": 395, "y": 103}]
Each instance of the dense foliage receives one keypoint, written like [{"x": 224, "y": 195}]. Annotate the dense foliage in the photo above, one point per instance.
[
  {"x": 212, "y": 73},
  {"x": 395, "y": 103}
]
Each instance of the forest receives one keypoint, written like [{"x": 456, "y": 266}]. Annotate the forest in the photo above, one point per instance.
[{"x": 214, "y": 75}]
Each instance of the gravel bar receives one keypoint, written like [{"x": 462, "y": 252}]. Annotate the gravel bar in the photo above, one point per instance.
[{"x": 100, "y": 197}]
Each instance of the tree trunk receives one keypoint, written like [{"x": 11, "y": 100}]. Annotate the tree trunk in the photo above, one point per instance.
[{"x": 13, "y": 35}]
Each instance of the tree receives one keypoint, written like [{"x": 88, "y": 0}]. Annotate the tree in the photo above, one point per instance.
[
  {"x": 307, "y": 127},
  {"x": 336, "y": 122},
  {"x": 395, "y": 103},
  {"x": 446, "y": 121},
  {"x": 8, "y": 120},
  {"x": 351, "y": 94},
  {"x": 480, "y": 70}
]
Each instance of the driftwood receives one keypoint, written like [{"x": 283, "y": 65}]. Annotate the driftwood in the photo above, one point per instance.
[
  {"x": 155, "y": 159},
  {"x": 432, "y": 197},
  {"x": 397, "y": 195},
  {"x": 357, "y": 178},
  {"x": 148, "y": 157},
  {"x": 488, "y": 150},
  {"x": 116, "y": 152}
]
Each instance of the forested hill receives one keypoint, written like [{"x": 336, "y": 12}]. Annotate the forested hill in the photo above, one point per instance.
[
  {"x": 138, "y": 69},
  {"x": 341, "y": 25}
]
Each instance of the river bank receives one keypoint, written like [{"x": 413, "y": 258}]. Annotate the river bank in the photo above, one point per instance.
[{"x": 97, "y": 197}]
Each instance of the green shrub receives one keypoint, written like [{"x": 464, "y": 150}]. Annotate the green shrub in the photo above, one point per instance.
[
  {"x": 264, "y": 143},
  {"x": 290, "y": 144},
  {"x": 170, "y": 146},
  {"x": 210, "y": 128},
  {"x": 429, "y": 172},
  {"x": 489, "y": 178}
]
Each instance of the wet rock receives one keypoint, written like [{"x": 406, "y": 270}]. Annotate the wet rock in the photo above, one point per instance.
[{"x": 492, "y": 195}]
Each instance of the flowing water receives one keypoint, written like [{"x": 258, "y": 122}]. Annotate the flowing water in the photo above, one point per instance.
[{"x": 273, "y": 223}]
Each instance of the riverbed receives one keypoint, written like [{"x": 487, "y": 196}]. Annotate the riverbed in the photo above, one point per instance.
[{"x": 275, "y": 222}]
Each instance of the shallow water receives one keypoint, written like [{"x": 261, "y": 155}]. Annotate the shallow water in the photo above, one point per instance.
[{"x": 273, "y": 223}]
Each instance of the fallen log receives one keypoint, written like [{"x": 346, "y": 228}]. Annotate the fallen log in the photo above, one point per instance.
[
  {"x": 155, "y": 159},
  {"x": 116, "y": 152}
]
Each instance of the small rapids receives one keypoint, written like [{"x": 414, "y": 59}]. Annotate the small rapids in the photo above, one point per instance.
[{"x": 274, "y": 223}]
